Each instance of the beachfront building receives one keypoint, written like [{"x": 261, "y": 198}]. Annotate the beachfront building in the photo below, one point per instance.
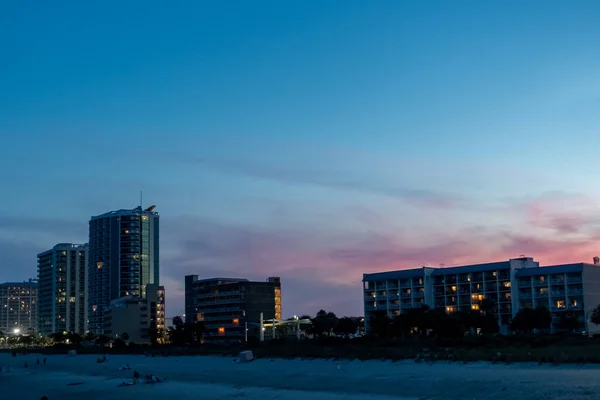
[
  {"x": 123, "y": 259},
  {"x": 62, "y": 284},
  {"x": 231, "y": 308},
  {"x": 18, "y": 308},
  {"x": 572, "y": 289},
  {"x": 138, "y": 317}
]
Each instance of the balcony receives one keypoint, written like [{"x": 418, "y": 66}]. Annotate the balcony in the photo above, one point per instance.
[
  {"x": 524, "y": 284},
  {"x": 405, "y": 295},
  {"x": 574, "y": 280},
  {"x": 557, "y": 281},
  {"x": 556, "y": 293}
]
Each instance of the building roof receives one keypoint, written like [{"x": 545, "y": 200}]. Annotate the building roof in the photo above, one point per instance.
[
  {"x": 123, "y": 212},
  {"x": 20, "y": 284},
  {"x": 471, "y": 268},
  {"x": 553, "y": 269},
  {"x": 400, "y": 274}
]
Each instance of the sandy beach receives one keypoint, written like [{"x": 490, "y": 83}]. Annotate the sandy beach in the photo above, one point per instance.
[{"x": 80, "y": 377}]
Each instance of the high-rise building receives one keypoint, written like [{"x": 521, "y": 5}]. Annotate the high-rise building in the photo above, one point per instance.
[
  {"x": 229, "y": 306},
  {"x": 123, "y": 259},
  {"x": 62, "y": 284},
  {"x": 18, "y": 307}
]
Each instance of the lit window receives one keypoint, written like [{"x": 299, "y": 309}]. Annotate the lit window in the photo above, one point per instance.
[
  {"x": 99, "y": 265},
  {"x": 126, "y": 231},
  {"x": 221, "y": 330},
  {"x": 475, "y": 307},
  {"x": 454, "y": 288},
  {"x": 94, "y": 308},
  {"x": 560, "y": 304},
  {"x": 494, "y": 273},
  {"x": 506, "y": 284},
  {"x": 236, "y": 321}
]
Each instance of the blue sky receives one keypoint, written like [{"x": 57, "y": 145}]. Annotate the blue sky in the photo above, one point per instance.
[{"x": 312, "y": 140}]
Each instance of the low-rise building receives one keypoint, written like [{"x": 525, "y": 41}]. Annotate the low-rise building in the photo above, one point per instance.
[
  {"x": 571, "y": 289},
  {"x": 18, "y": 307},
  {"x": 231, "y": 308},
  {"x": 136, "y": 316}
]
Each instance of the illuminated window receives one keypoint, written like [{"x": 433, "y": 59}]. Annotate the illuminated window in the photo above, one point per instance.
[
  {"x": 126, "y": 231},
  {"x": 494, "y": 273},
  {"x": 450, "y": 309},
  {"x": 71, "y": 299},
  {"x": 542, "y": 278},
  {"x": 144, "y": 218},
  {"x": 560, "y": 304},
  {"x": 236, "y": 321},
  {"x": 454, "y": 288},
  {"x": 221, "y": 330},
  {"x": 475, "y": 307},
  {"x": 99, "y": 265},
  {"x": 94, "y": 308},
  {"x": 506, "y": 284}
]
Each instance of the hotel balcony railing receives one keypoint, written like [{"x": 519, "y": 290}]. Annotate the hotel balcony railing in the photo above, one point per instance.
[
  {"x": 406, "y": 295},
  {"x": 574, "y": 280},
  {"x": 419, "y": 294},
  {"x": 405, "y": 285},
  {"x": 575, "y": 292},
  {"x": 556, "y": 293},
  {"x": 540, "y": 283},
  {"x": 557, "y": 281},
  {"x": 555, "y": 308},
  {"x": 524, "y": 284},
  {"x": 541, "y": 294}
]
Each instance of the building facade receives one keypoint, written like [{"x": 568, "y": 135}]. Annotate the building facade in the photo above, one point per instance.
[
  {"x": 572, "y": 289},
  {"x": 123, "y": 259},
  {"x": 139, "y": 317},
  {"x": 230, "y": 306},
  {"x": 62, "y": 287},
  {"x": 18, "y": 307}
]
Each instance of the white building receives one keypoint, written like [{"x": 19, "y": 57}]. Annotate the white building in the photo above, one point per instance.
[{"x": 572, "y": 289}]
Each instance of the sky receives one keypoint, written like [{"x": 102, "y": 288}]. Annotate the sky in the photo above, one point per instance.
[{"x": 311, "y": 140}]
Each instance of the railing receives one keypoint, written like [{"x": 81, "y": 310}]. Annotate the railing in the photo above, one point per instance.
[
  {"x": 540, "y": 283},
  {"x": 574, "y": 280},
  {"x": 406, "y": 295},
  {"x": 558, "y": 293},
  {"x": 557, "y": 281},
  {"x": 575, "y": 291},
  {"x": 524, "y": 284},
  {"x": 525, "y": 295}
]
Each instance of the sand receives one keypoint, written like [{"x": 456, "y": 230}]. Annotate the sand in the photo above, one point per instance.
[{"x": 220, "y": 378}]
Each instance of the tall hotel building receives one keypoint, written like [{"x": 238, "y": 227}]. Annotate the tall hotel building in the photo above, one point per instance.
[
  {"x": 124, "y": 250},
  {"x": 62, "y": 285},
  {"x": 570, "y": 289}
]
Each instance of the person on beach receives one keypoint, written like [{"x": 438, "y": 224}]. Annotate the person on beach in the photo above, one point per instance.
[
  {"x": 38, "y": 362},
  {"x": 44, "y": 361}
]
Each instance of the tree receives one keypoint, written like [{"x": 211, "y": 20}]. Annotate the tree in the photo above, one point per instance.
[
  {"x": 59, "y": 337},
  {"x": 125, "y": 336},
  {"x": 568, "y": 323},
  {"x": 542, "y": 318},
  {"x": 199, "y": 330},
  {"x": 346, "y": 326},
  {"x": 102, "y": 340},
  {"x": 380, "y": 324},
  {"x": 524, "y": 321},
  {"x": 595, "y": 317},
  {"x": 119, "y": 343},
  {"x": 324, "y": 322}
]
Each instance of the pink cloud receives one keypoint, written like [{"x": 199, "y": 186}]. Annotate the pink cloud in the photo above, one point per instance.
[{"x": 320, "y": 264}]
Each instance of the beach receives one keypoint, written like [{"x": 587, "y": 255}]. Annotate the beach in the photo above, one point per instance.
[{"x": 81, "y": 377}]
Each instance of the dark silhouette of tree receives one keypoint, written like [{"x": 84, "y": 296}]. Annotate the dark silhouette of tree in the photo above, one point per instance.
[
  {"x": 380, "y": 324},
  {"x": 542, "y": 318},
  {"x": 323, "y": 323},
  {"x": 59, "y": 337},
  {"x": 595, "y": 316},
  {"x": 346, "y": 326},
  {"x": 102, "y": 340},
  {"x": 119, "y": 343},
  {"x": 524, "y": 321},
  {"x": 568, "y": 323},
  {"x": 124, "y": 336},
  {"x": 74, "y": 338}
]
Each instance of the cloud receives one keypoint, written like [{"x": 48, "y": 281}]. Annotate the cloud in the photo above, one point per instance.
[
  {"x": 57, "y": 227},
  {"x": 329, "y": 179}
]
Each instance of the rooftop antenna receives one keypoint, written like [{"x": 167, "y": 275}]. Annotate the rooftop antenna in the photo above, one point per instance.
[{"x": 141, "y": 197}]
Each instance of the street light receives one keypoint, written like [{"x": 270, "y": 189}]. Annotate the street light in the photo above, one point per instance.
[{"x": 17, "y": 331}]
